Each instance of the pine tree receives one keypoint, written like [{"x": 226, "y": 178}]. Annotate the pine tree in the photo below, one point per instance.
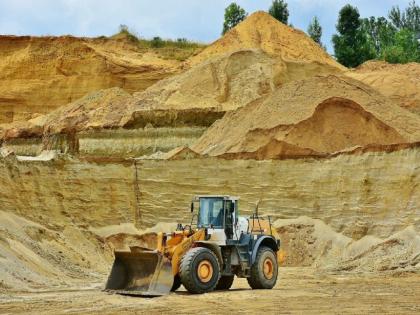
[
  {"x": 315, "y": 31},
  {"x": 279, "y": 11},
  {"x": 351, "y": 45}
]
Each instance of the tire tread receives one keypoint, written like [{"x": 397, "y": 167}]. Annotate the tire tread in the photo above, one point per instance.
[
  {"x": 185, "y": 270},
  {"x": 255, "y": 281}
]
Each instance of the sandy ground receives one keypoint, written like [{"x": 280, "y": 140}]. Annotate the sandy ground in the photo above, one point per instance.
[{"x": 299, "y": 291}]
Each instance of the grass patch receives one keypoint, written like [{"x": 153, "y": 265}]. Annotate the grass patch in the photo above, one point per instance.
[{"x": 177, "y": 49}]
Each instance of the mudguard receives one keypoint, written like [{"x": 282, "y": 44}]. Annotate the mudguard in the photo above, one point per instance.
[{"x": 264, "y": 240}]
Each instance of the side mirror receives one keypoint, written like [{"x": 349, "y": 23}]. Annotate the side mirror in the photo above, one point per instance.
[{"x": 192, "y": 207}]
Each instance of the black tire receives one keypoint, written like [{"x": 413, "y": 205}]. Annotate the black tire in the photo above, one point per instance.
[
  {"x": 258, "y": 278},
  {"x": 188, "y": 270},
  {"x": 225, "y": 282},
  {"x": 177, "y": 283}
]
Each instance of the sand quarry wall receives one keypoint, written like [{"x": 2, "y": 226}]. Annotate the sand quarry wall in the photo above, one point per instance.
[
  {"x": 125, "y": 143},
  {"x": 60, "y": 219},
  {"x": 372, "y": 193}
]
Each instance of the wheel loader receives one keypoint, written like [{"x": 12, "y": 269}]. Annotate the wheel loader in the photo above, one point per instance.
[{"x": 203, "y": 256}]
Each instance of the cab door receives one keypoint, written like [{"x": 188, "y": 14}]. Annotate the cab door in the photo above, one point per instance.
[{"x": 229, "y": 218}]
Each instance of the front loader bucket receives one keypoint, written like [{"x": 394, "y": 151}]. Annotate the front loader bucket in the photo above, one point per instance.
[{"x": 140, "y": 272}]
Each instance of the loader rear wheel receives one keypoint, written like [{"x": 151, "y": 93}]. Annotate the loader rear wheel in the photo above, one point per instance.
[
  {"x": 264, "y": 270},
  {"x": 199, "y": 270},
  {"x": 225, "y": 283}
]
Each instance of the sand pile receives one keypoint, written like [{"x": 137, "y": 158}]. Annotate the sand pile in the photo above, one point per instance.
[
  {"x": 39, "y": 74},
  {"x": 312, "y": 117},
  {"x": 60, "y": 255},
  {"x": 401, "y": 83},
  {"x": 261, "y": 31},
  {"x": 309, "y": 242},
  {"x": 249, "y": 62},
  {"x": 220, "y": 83},
  {"x": 34, "y": 256}
]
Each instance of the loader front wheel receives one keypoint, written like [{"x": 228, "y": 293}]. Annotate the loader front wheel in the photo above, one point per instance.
[
  {"x": 199, "y": 270},
  {"x": 264, "y": 270}
]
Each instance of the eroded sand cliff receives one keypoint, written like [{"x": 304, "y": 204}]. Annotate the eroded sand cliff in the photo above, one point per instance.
[{"x": 39, "y": 74}]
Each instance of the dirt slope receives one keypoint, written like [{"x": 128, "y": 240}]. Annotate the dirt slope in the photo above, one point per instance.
[
  {"x": 310, "y": 117},
  {"x": 102, "y": 109},
  {"x": 35, "y": 256},
  {"x": 261, "y": 31},
  {"x": 309, "y": 242},
  {"x": 401, "y": 83},
  {"x": 39, "y": 74}
]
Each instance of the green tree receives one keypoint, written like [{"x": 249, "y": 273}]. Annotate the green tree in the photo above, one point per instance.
[
  {"x": 412, "y": 19},
  {"x": 397, "y": 17},
  {"x": 351, "y": 45},
  {"x": 315, "y": 31},
  {"x": 406, "y": 48},
  {"x": 408, "y": 19},
  {"x": 380, "y": 31},
  {"x": 279, "y": 11},
  {"x": 234, "y": 14}
]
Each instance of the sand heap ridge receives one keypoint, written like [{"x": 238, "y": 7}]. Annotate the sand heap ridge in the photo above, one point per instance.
[
  {"x": 316, "y": 116},
  {"x": 310, "y": 242},
  {"x": 399, "y": 82},
  {"x": 261, "y": 31}
]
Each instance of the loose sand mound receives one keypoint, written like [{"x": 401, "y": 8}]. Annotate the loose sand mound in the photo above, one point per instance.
[
  {"x": 261, "y": 31},
  {"x": 39, "y": 74},
  {"x": 309, "y": 242},
  {"x": 58, "y": 255},
  {"x": 316, "y": 116},
  {"x": 34, "y": 256},
  {"x": 227, "y": 81},
  {"x": 221, "y": 83},
  {"x": 250, "y": 62},
  {"x": 401, "y": 83}
]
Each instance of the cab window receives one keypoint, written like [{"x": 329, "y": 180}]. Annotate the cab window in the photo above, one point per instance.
[{"x": 211, "y": 213}]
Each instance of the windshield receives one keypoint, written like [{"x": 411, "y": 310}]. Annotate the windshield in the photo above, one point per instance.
[{"x": 211, "y": 212}]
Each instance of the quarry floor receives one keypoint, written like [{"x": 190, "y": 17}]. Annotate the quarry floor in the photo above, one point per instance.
[{"x": 298, "y": 291}]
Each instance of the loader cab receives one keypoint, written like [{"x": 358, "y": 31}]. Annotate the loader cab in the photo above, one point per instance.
[{"x": 218, "y": 214}]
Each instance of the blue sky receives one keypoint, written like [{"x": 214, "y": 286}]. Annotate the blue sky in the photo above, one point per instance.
[{"x": 199, "y": 20}]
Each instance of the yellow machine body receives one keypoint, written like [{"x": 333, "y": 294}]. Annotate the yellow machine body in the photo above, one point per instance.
[{"x": 147, "y": 272}]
